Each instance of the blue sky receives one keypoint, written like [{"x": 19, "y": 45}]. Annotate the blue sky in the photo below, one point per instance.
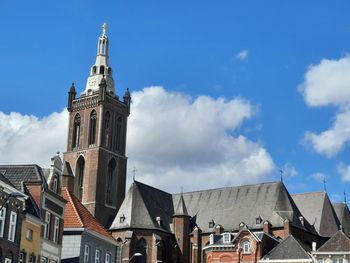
[{"x": 256, "y": 52}]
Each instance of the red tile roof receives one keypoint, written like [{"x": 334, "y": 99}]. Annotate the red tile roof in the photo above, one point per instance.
[{"x": 77, "y": 216}]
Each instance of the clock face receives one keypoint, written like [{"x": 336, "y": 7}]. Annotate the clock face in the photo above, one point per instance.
[{"x": 92, "y": 82}]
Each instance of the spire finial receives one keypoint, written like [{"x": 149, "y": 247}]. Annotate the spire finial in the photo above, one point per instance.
[
  {"x": 344, "y": 197},
  {"x": 281, "y": 172},
  {"x": 134, "y": 173},
  {"x": 104, "y": 28},
  {"x": 324, "y": 184}
]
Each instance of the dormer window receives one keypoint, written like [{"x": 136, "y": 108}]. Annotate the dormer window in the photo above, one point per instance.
[
  {"x": 258, "y": 220},
  {"x": 122, "y": 219},
  {"x": 227, "y": 237}
]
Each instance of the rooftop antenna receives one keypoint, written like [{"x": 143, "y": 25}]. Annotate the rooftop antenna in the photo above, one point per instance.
[
  {"x": 324, "y": 184},
  {"x": 281, "y": 172},
  {"x": 134, "y": 174}
]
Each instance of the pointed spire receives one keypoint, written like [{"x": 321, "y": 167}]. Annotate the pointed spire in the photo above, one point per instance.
[{"x": 181, "y": 209}]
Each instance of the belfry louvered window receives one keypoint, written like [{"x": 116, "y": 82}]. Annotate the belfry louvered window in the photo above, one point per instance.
[
  {"x": 92, "y": 128},
  {"x": 76, "y": 131}
]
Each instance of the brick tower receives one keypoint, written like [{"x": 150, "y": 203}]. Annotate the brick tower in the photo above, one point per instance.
[{"x": 95, "y": 161}]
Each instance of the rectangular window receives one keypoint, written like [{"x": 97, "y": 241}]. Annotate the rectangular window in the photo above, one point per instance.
[
  {"x": 47, "y": 225},
  {"x": 12, "y": 228},
  {"x": 55, "y": 184},
  {"x": 32, "y": 259},
  {"x": 57, "y": 227},
  {"x": 2, "y": 221},
  {"x": 29, "y": 234},
  {"x": 43, "y": 260},
  {"x": 22, "y": 257},
  {"x": 227, "y": 237},
  {"x": 97, "y": 256},
  {"x": 108, "y": 258},
  {"x": 86, "y": 254}
]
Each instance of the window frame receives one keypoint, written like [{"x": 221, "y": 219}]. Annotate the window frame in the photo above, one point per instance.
[
  {"x": 86, "y": 254},
  {"x": 47, "y": 225},
  {"x": 97, "y": 256},
  {"x": 249, "y": 244},
  {"x": 12, "y": 226},
  {"x": 56, "y": 230},
  {"x": 2, "y": 221}
]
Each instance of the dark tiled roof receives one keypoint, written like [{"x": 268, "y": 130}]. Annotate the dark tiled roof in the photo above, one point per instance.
[
  {"x": 17, "y": 174},
  {"x": 318, "y": 210},
  {"x": 77, "y": 216},
  {"x": 230, "y": 206},
  {"x": 141, "y": 207},
  {"x": 337, "y": 243},
  {"x": 289, "y": 248},
  {"x": 181, "y": 209},
  {"x": 343, "y": 213}
]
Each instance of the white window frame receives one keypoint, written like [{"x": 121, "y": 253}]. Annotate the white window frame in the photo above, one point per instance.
[
  {"x": 226, "y": 238},
  {"x": 7, "y": 260},
  {"x": 108, "y": 258},
  {"x": 12, "y": 226},
  {"x": 43, "y": 260},
  {"x": 211, "y": 239},
  {"x": 29, "y": 234},
  {"x": 2, "y": 221},
  {"x": 47, "y": 225},
  {"x": 32, "y": 259},
  {"x": 86, "y": 254},
  {"x": 247, "y": 244},
  {"x": 56, "y": 229},
  {"x": 21, "y": 258},
  {"x": 97, "y": 255},
  {"x": 55, "y": 184}
]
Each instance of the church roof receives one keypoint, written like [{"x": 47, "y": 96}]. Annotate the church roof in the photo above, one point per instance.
[
  {"x": 141, "y": 207},
  {"x": 290, "y": 248},
  {"x": 343, "y": 213},
  {"x": 181, "y": 209},
  {"x": 337, "y": 243},
  {"x": 77, "y": 216},
  {"x": 17, "y": 174},
  {"x": 227, "y": 206},
  {"x": 318, "y": 210}
]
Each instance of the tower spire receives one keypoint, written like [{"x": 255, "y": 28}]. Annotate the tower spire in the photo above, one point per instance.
[{"x": 101, "y": 67}]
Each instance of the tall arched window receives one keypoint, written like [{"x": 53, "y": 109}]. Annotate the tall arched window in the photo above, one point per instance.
[
  {"x": 119, "y": 140},
  {"x": 80, "y": 173},
  {"x": 94, "y": 70},
  {"x": 106, "y": 129},
  {"x": 141, "y": 247},
  {"x": 92, "y": 128},
  {"x": 76, "y": 131},
  {"x": 110, "y": 181},
  {"x": 102, "y": 69}
]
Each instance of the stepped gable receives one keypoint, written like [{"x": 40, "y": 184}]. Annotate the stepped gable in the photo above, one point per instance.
[
  {"x": 17, "y": 174},
  {"x": 270, "y": 201},
  {"x": 289, "y": 248},
  {"x": 77, "y": 216},
  {"x": 343, "y": 213},
  {"x": 141, "y": 207},
  {"x": 339, "y": 242},
  {"x": 318, "y": 211}
]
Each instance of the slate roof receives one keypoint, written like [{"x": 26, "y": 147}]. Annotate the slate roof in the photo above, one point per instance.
[
  {"x": 289, "y": 248},
  {"x": 318, "y": 211},
  {"x": 142, "y": 205},
  {"x": 230, "y": 206},
  {"x": 343, "y": 213},
  {"x": 17, "y": 174},
  {"x": 337, "y": 243},
  {"x": 226, "y": 206},
  {"x": 77, "y": 216}
]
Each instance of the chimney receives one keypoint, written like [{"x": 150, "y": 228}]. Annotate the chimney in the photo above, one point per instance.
[
  {"x": 219, "y": 229},
  {"x": 286, "y": 227},
  {"x": 267, "y": 227}
]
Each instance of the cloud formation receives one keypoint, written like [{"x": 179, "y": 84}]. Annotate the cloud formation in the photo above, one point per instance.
[
  {"x": 344, "y": 171},
  {"x": 173, "y": 140},
  {"x": 325, "y": 84},
  {"x": 243, "y": 55}
]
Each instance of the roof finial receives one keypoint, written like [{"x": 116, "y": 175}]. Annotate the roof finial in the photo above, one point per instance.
[
  {"x": 324, "y": 184},
  {"x": 344, "y": 197},
  {"x": 281, "y": 172},
  {"x": 134, "y": 173},
  {"x": 104, "y": 28}
]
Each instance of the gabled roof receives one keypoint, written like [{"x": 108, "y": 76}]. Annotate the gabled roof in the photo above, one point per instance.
[
  {"x": 289, "y": 248},
  {"x": 17, "y": 174},
  {"x": 343, "y": 213},
  {"x": 141, "y": 207},
  {"x": 230, "y": 206},
  {"x": 77, "y": 216},
  {"x": 337, "y": 243},
  {"x": 318, "y": 211}
]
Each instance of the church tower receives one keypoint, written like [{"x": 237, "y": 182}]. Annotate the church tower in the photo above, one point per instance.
[{"x": 95, "y": 157}]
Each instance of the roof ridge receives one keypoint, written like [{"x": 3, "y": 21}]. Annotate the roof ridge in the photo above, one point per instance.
[
  {"x": 138, "y": 182},
  {"x": 316, "y": 192},
  {"x": 73, "y": 205},
  {"x": 230, "y": 187}
]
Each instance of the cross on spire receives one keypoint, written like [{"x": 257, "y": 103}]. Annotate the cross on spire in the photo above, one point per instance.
[
  {"x": 281, "y": 172},
  {"x": 344, "y": 197},
  {"x": 324, "y": 184}
]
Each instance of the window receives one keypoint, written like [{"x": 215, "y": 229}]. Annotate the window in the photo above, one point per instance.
[
  {"x": 76, "y": 131},
  {"x": 106, "y": 129},
  {"x": 56, "y": 229},
  {"x": 32, "y": 259},
  {"x": 22, "y": 257},
  {"x": 80, "y": 173},
  {"x": 86, "y": 254},
  {"x": 108, "y": 258},
  {"x": 246, "y": 246},
  {"x": 227, "y": 237},
  {"x": 7, "y": 260},
  {"x": 12, "y": 228},
  {"x": 102, "y": 68},
  {"x": 97, "y": 256},
  {"x": 2, "y": 221},
  {"x": 92, "y": 128},
  {"x": 211, "y": 239},
  {"x": 94, "y": 69},
  {"x": 119, "y": 140},
  {"x": 29, "y": 234},
  {"x": 110, "y": 181},
  {"x": 47, "y": 225},
  {"x": 55, "y": 184},
  {"x": 141, "y": 247},
  {"x": 43, "y": 260},
  {"x": 258, "y": 220}
]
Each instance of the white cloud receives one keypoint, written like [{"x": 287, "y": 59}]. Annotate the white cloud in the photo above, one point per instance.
[
  {"x": 176, "y": 140},
  {"x": 319, "y": 177},
  {"x": 26, "y": 139},
  {"x": 289, "y": 170},
  {"x": 344, "y": 171},
  {"x": 243, "y": 55},
  {"x": 328, "y": 83},
  {"x": 173, "y": 140}
]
